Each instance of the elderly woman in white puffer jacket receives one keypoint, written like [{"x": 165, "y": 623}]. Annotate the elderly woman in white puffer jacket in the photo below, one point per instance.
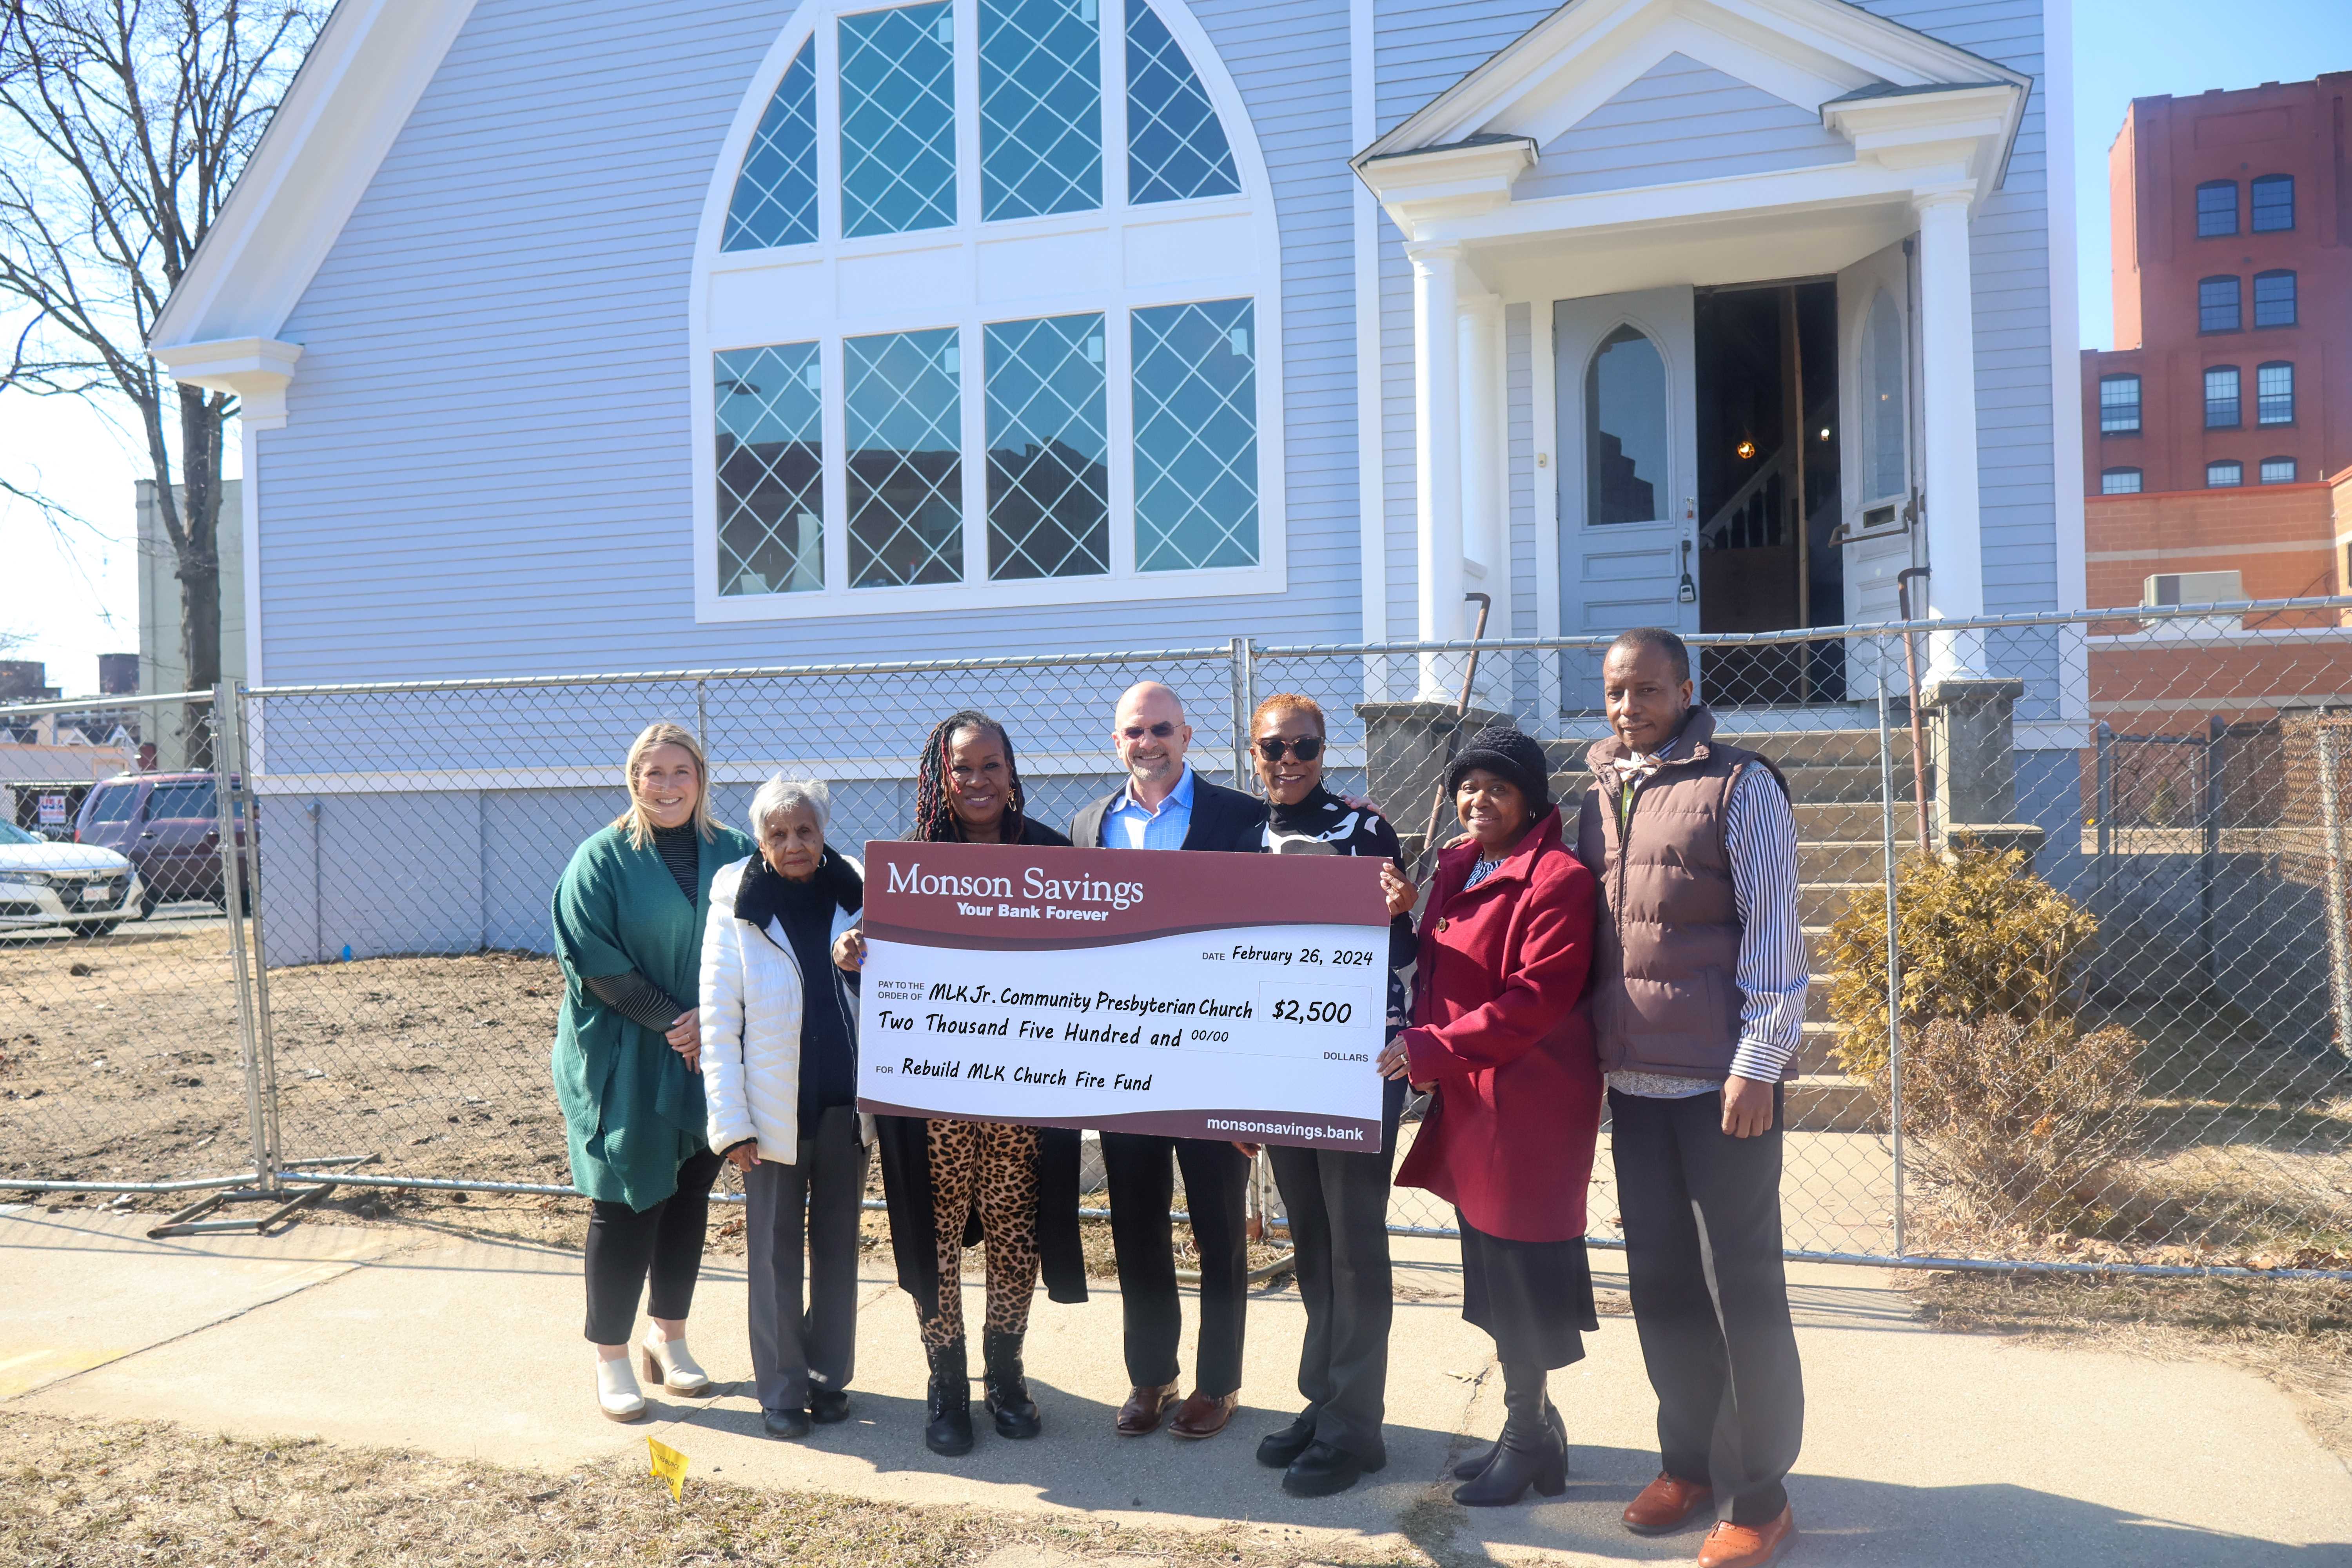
[{"x": 780, "y": 1074}]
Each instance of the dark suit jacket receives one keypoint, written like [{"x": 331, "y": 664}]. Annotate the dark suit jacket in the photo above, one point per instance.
[{"x": 1221, "y": 818}]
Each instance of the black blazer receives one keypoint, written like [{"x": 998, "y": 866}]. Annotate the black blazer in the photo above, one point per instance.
[{"x": 1221, "y": 819}]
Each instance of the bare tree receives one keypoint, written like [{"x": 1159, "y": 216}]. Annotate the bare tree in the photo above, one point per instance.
[{"x": 122, "y": 125}]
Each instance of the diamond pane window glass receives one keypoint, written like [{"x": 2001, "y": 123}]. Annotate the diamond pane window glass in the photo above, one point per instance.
[
  {"x": 2225, "y": 476},
  {"x": 2273, "y": 203},
  {"x": 2278, "y": 470},
  {"x": 770, "y": 404},
  {"x": 1040, "y": 107},
  {"x": 2275, "y": 298},
  {"x": 2119, "y": 482},
  {"x": 2221, "y": 397},
  {"x": 775, "y": 193},
  {"x": 2217, "y": 209},
  {"x": 2217, "y": 305},
  {"x": 2118, "y": 404},
  {"x": 1048, "y": 449},
  {"x": 1195, "y": 437},
  {"x": 2274, "y": 394},
  {"x": 904, "y": 407},
  {"x": 1175, "y": 147},
  {"x": 898, "y": 119}
]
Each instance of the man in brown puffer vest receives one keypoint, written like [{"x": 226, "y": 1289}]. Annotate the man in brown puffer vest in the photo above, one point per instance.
[{"x": 1698, "y": 1003}]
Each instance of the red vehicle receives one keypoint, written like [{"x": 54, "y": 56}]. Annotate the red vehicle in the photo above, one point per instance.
[{"x": 168, "y": 826}]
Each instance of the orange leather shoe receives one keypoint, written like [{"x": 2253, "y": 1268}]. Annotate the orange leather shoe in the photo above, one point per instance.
[
  {"x": 1203, "y": 1414},
  {"x": 1666, "y": 1504},
  {"x": 1141, "y": 1415},
  {"x": 1730, "y": 1545}
]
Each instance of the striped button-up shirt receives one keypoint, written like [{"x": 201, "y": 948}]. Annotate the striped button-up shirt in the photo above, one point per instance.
[{"x": 1760, "y": 833}]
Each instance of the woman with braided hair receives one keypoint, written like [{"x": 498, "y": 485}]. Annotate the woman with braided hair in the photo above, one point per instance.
[{"x": 951, "y": 1183}]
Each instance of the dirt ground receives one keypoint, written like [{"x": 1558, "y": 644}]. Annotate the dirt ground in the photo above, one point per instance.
[{"x": 121, "y": 1495}]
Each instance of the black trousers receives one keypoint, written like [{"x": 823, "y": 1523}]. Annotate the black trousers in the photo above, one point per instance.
[
  {"x": 1142, "y": 1184},
  {"x": 811, "y": 1206},
  {"x": 1337, "y": 1206},
  {"x": 1702, "y": 1215},
  {"x": 627, "y": 1247}
]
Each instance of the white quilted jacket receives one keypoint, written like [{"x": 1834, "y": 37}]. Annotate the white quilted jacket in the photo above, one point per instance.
[{"x": 752, "y": 990}]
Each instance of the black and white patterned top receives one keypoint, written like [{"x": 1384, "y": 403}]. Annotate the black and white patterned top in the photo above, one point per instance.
[{"x": 1323, "y": 823}]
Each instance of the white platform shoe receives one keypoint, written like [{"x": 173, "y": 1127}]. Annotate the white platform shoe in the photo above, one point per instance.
[
  {"x": 617, "y": 1391},
  {"x": 669, "y": 1366}
]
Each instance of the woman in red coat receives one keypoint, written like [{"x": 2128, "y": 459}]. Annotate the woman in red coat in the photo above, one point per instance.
[{"x": 1501, "y": 1038}]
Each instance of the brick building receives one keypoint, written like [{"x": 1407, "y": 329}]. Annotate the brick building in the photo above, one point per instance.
[{"x": 2233, "y": 230}]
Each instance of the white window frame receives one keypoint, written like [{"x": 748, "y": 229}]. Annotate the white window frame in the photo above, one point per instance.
[{"x": 1166, "y": 253}]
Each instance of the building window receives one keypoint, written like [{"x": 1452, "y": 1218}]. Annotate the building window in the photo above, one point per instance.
[
  {"x": 2274, "y": 394},
  {"x": 1048, "y": 449},
  {"x": 1040, "y": 107},
  {"x": 2217, "y": 209},
  {"x": 898, "y": 119},
  {"x": 1883, "y": 403},
  {"x": 2224, "y": 475},
  {"x": 2118, "y": 405},
  {"x": 2217, "y": 304},
  {"x": 2221, "y": 397},
  {"x": 1176, "y": 150},
  {"x": 903, "y": 395},
  {"x": 1624, "y": 429},
  {"x": 2273, "y": 203},
  {"x": 770, "y": 407},
  {"x": 2278, "y": 470},
  {"x": 2119, "y": 481},
  {"x": 1195, "y": 437},
  {"x": 775, "y": 193},
  {"x": 2275, "y": 298}
]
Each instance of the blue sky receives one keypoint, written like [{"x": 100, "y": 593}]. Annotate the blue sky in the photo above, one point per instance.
[{"x": 77, "y": 596}]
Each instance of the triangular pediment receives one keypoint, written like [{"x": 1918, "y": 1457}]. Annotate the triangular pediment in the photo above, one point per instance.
[{"x": 1681, "y": 120}]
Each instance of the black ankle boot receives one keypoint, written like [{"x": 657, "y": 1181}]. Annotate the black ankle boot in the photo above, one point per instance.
[
  {"x": 1008, "y": 1390},
  {"x": 1531, "y": 1453},
  {"x": 950, "y": 1432},
  {"x": 1472, "y": 1468}
]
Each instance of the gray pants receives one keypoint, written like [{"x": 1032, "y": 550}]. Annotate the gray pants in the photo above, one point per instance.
[{"x": 810, "y": 1205}]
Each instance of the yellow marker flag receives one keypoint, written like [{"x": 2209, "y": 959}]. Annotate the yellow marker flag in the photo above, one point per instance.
[{"x": 669, "y": 1465}]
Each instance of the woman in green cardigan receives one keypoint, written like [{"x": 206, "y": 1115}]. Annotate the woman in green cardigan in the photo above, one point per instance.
[{"x": 629, "y": 913}]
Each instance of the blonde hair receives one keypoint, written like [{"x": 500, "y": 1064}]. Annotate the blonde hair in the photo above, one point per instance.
[
  {"x": 635, "y": 822},
  {"x": 1291, "y": 702}
]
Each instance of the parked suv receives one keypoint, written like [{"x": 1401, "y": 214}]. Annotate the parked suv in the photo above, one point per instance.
[{"x": 168, "y": 824}]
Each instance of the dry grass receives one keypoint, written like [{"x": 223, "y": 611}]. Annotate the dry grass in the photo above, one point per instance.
[{"x": 110, "y": 1495}]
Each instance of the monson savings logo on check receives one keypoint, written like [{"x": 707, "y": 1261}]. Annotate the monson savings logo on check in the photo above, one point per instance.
[{"x": 1036, "y": 897}]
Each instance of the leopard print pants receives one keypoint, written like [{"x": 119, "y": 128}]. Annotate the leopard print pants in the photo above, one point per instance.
[{"x": 994, "y": 1167}]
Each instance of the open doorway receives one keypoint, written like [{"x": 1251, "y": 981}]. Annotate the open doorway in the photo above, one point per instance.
[{"x": 1768, "y": 491}]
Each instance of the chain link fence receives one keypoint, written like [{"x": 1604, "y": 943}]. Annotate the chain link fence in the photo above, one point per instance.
[{"x": 2073, "y": 888}]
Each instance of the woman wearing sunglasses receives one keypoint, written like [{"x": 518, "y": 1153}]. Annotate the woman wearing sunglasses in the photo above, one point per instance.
[{"x": 1338, "y": 1202}]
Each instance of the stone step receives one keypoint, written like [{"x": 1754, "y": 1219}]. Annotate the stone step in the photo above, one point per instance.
[{"x": 1830, "y": 1102}]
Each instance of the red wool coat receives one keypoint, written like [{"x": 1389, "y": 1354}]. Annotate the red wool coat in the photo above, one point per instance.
[{"x": 1499, "y": 1026}]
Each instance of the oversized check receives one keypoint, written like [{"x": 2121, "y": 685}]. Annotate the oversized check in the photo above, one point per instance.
[{"x": 1192, "y": 995}]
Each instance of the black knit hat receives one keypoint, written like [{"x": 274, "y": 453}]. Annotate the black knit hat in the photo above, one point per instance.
[{"x": 1506, "y": 752}]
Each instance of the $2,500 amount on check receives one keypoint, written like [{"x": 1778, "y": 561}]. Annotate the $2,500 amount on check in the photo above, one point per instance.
[{"x": 1190, "y": 995}]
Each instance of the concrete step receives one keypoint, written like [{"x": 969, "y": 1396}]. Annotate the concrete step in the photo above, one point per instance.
[
  {"x": 1813, "y": 1051},
  {"x": 1810, "y": 748},
  {"x": 1831, "y": 1102},
  {"x": 1819, "y": 904},
  {"x": 1842, "y": 860}
]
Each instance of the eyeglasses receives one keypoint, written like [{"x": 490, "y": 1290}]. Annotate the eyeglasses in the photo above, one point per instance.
[
  {"x": 1158, "y": 731},
  {"x": 1306, "y": 748}
]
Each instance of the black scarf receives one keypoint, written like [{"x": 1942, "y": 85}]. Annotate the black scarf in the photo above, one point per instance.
[{"x": 765, "y": 895}]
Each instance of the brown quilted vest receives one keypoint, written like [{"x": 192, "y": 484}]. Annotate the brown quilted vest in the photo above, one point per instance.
[{"x": 1666, "y": 992}]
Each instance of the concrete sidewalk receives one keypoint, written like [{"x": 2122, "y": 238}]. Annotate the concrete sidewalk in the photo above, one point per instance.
[{"x": 1921, "y": 1447}]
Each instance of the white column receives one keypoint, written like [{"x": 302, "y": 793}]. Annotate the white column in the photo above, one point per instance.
[
  {"x": 1485, "y": 480},
  {"x": 1437, "y": 453},
  {"x": 1948, "y": 377}
]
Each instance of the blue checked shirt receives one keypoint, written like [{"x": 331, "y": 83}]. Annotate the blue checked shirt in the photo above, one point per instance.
[{"x": 1130, "y": 826}]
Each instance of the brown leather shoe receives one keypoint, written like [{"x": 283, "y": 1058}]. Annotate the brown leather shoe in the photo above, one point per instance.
[
  {"x": 1730, "y": 1545},
  {"x": 1204, "y": 1415},
  {"x": 1140, "y": 1417},
  {"x": 1666, "y": 1504}
]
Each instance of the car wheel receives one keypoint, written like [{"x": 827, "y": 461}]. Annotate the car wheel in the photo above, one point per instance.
[
  {"x": 147, "y": 902},
  {"x": 97, "y": 929}
]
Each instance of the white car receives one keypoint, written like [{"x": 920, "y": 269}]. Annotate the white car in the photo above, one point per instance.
[{"x": 77, "y": 885}]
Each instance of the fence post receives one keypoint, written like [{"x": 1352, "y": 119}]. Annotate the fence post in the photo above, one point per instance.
[
  {"x": 1243, "y": 660},
  {"x": 2339, "y": 941},
  {"x": 1894, "y": 958},
  {"x": 228, "y": 780},
  {"x": 2209, "y": 814}
]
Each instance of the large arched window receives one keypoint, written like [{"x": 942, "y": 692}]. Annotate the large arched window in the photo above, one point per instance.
[
  {"x": 1624, "y": 429},
  {"x": 1883, "y": 410},
  {"x": 984, "y": 295}
]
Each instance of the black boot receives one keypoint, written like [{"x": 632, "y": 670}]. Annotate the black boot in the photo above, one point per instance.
[
  {"x": 1531, "y": 1454},
  {"x": 950, "y": 1432},
  {"x": 1472, "y": 1468},
  {"x": 1008, "y": 1390}
]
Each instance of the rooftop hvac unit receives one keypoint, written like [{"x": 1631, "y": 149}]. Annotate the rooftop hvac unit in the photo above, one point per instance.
[{"x": 2195, "y": 588}]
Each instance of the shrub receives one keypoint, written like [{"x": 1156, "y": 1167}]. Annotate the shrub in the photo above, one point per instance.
[
  {"x": 2019, "y": 1125},
  {"x": 1980, "y": 936}
]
